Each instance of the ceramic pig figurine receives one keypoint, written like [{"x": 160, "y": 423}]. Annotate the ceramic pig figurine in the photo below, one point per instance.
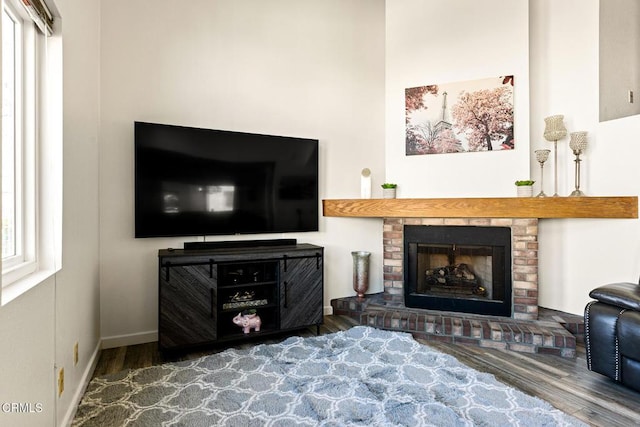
[{"x": 248, "y": 321}]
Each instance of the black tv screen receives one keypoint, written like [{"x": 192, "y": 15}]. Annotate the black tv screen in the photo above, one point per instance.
[{"x": 198, "y": 182}]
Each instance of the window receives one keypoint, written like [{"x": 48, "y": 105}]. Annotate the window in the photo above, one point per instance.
[
  {"x": 18, "y": 144},
  {"x": 30, "y": 140},
  {"x": 11, "y": 30}
]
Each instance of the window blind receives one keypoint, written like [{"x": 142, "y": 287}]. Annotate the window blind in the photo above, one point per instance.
[{"x": 40, "y": 14}]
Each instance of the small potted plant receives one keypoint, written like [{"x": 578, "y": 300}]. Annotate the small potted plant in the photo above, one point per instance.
[
  {"x": 389, "y": 190},
  {"x": 524, "y": 188}
]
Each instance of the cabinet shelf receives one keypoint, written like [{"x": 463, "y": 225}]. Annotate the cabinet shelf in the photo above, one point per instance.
[
  {"x": 236, "y": 336},
  {"x": 247, "y": 307},
  {"x": 247, "y": 285}
]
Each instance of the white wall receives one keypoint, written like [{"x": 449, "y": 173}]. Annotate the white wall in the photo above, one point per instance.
[
  {"x": 27, "y": 334},
  {"x": 38, "y": 329},
  {"x": 311, "y": 69},
  {"x": 448, "y": 41},
  {"x": 579, "y": 255},
  {"x": 77, "y": 285},
  {"x": 557, "y": 43}
]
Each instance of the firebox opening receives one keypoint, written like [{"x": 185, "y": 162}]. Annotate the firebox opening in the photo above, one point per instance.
[{"x": 458, "y": 268}]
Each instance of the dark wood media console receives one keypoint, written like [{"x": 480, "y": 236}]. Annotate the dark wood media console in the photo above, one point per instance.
[{"x": 201, "y": 291}]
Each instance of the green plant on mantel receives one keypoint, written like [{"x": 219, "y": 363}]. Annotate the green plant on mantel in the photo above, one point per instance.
[
  {"x": 389, "y": 185},
  {"x": 524, "y": 182}
]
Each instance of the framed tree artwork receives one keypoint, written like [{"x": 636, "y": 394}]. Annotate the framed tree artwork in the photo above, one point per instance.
[{"x": 461, "y": 117}]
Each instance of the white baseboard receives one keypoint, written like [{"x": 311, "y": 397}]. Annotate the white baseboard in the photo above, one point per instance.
[
  {"x": 327, "y": 310},
  {"x": 84, "y": 382},
  {"x": 130, "y": 339}
]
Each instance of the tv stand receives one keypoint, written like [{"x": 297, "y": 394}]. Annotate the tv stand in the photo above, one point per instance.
[
  {"x": 201, "y": 291},
  {"x": 238, "y": 244}
]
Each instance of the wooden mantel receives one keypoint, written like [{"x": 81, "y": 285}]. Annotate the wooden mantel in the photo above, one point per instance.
[{"x": 488, "y": 207}]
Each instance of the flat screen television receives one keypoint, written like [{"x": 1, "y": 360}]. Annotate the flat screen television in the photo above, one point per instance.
[{"x": 199, "y": 182}]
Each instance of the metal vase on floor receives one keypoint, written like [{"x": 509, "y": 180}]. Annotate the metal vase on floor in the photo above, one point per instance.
[{"x": 360, "y": 272}]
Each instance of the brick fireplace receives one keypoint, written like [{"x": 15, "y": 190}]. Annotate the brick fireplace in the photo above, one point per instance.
[
  {"x": 523, "y": 331},
  {"x": 530, "y": 329},
  {"x": 524, "y": 256}
]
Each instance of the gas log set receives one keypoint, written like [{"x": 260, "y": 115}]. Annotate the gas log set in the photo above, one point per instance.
[{"x": 458, "y": 279}]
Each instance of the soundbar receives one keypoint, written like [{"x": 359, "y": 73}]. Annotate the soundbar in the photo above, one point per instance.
[{"x": 239, "y": 244}]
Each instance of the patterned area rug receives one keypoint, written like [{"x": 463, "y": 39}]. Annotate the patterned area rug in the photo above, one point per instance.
[{"x": 359, "y": 377}]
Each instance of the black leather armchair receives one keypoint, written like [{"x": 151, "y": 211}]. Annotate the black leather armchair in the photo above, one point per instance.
[{"x": 612, "y": 332}]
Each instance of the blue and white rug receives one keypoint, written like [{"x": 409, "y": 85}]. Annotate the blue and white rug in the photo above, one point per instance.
[{"x": 359, "y": 377}]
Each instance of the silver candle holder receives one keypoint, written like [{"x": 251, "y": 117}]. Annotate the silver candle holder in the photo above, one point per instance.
[
  {"x": 541, "y": 157},
  {"x": 555, "y": 130},
  {"x": 577, "y": 143}
]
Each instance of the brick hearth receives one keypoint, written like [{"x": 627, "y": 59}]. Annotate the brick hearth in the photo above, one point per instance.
[{"x": 553, "y": 333}]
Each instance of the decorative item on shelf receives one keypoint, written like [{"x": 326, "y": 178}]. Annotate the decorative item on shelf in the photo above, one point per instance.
[
  {"x": 555, "y": 130},
  {"x": 524, "y": 188},
  {"x": 248, "y": 320},
  {"x": 360, "y": 272},
  {"x": 244, "y": 296},
  {"x": 243, "y": 300},
  {"x": 245, "y": 304},
  {"x": 541, "y": 157},
  {"x": 389, "y": 190},
  {"x": 236, "y": 276},
  {"x": 365, "y": 183},
  {"x": 577, "y": 143}
]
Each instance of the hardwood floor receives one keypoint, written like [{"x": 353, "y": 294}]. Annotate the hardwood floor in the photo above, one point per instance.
[{"x": 565, "y": 383}]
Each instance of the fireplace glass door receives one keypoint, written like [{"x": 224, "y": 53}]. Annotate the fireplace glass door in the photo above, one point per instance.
[{"x": 458, "y": 268}]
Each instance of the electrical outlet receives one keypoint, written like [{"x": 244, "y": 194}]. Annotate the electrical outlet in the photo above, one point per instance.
[
  {"x": 60, "y": 381},
  {"x": 75, "y": 354},
  {"x": 630, "y": 97}
]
